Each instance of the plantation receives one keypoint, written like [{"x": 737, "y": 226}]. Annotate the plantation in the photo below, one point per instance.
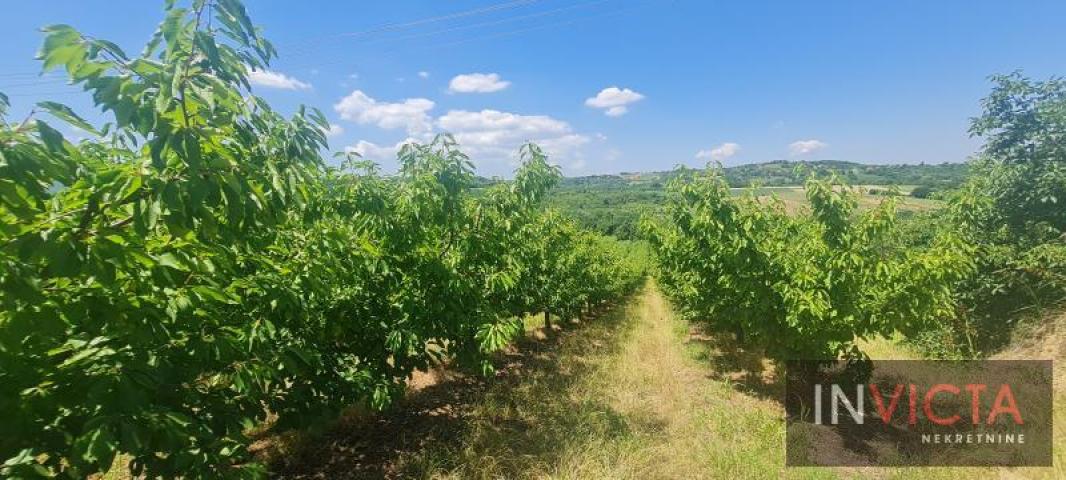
[
  {"x": 193, "y": 278},
  {"x": 800, "y": 286},
  {"x": 196, "y": 266}
]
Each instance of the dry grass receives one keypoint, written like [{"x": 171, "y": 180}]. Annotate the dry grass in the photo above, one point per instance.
[
  {"x": 632, "y": 395},
  {"x": 635, "y": 393},
  {"x": 795, "y": 199},
  {"x": 664, "y": 401},
  {"x": 1045, "y": 342}
]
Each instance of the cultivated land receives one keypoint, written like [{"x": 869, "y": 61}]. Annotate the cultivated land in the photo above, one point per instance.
[
  {"x": 614, "y": 204},
  {"x": 191, "y": 290},
  {"x": 634, "y": 392}
]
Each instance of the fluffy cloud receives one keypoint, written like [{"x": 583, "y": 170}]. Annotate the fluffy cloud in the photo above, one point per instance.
[
  {"x": 563, "y": 146},
  {"x": 494, "y": 120},
  {"x": 490, "y": 137},
  {"x": 614, "y": 100},
  {"x": 334, "y": 130},
  {"x": 411, "y": 114},
  {"x": 378, "y": 153},
  {"x": 269, "y": 79},
  {"x": 495, "y": 135},
  {"x": 477, "y": 83},
  {"x": 720, "y": 152},
  {"x": 803, "y": 147},
  {"x": 423, "y": 74}
]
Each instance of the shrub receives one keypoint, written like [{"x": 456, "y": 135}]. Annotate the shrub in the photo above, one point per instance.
[{"x": 922, "y": 191}]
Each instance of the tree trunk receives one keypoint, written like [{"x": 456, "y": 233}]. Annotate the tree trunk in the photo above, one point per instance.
[{"x": 547, "y": 321}]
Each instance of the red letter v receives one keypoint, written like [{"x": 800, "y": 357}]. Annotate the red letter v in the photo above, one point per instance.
[{"x": 886, "y": 415}]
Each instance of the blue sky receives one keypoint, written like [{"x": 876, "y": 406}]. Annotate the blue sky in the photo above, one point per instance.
[{"x": 614, "y": 85}]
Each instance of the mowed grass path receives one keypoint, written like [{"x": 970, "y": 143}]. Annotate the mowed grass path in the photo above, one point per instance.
[{"x": 633, "y": 394}]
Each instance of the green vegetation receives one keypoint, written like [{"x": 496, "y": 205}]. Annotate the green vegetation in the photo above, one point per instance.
[
  {"x": 1011, "y": 209},
  {"x": 784, "y": 173},
  {"x": 195, "y": 268},
  {"x": 802, "y": 282},
  {"x": 799, "y": 285},
  {"x": 608, "y": 204},
  {"x": 624, "y": 396},
  {"x": 636, "y": 392},
  {"x": 614, "y": 204},
  {"x": 194, "y": 273}
]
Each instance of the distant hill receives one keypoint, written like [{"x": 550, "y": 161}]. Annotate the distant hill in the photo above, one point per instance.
[
  {"x": 783, "y": 172},
  {"x": 613, "y": 204},
  {"x": 779, "y": 173}
]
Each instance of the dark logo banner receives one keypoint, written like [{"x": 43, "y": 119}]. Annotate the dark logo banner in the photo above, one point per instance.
[{"x": 919, "y": 413}]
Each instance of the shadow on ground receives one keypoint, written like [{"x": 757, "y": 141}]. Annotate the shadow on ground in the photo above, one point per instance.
[
  {"x": 747, "y": 370},
  {"x": 472, "y": 426}
]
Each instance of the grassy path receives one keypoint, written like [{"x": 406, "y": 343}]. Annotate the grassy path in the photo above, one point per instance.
[
  {"x": 628, "y": 395},
  {"x": 705, "y": 418},
  {"x": 633, "y": 394}
]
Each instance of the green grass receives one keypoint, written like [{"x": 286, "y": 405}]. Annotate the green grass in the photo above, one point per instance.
[
  {"x": 642, "y": 394},
  {"x": 634, "y": 393},
  {"x": 625, "y": 396}
]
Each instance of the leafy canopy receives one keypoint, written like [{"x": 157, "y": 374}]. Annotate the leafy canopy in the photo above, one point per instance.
[{"x": 195, "y": 265}]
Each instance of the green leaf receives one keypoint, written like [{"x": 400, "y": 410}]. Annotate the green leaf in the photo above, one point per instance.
[
  {"x": 62, "y": 46},
  {"x": 50, "y": 136},
  {"x": 172, "y": 261},
  {"x": 64, "y": 113}
]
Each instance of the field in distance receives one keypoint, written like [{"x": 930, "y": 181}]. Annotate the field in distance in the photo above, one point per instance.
[{"x": 613, "y": 204}]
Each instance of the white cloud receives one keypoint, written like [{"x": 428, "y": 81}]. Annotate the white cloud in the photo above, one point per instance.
[
  {"x": 410, "y": 114},
  {"x": 803, "y": 147},
  {"x": 269, "y": 79},
  {"x": 614, "y": 100},
  {"x": 378, "y": 153},
  {"x": 491, "y": 137},
  {"x": 334, "y": 130},
  {"x": 564, "y": 145},
  {"x": 477, "y": 82},
  {"x": 720, "y": 152},
  {"x": 423, "y": 74},
  {"x": 495, "y": 135},
  {"x": 462, "y": 120}
]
